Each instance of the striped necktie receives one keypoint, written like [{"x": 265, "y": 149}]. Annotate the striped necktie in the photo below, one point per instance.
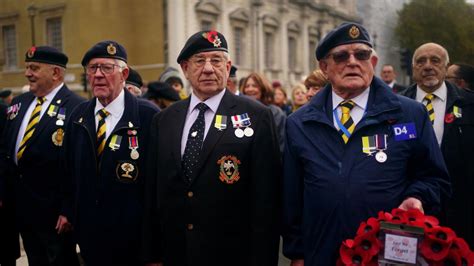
[
  {"x": 346, "y": 120},
  {"x": 30, "y": 128},
  {"x": 101, "y": 128},
  {"x": 429, "y": 106}
]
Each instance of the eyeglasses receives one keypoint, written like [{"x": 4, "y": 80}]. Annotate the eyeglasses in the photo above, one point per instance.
[
  {"x": 343, "y": 56},
  {"x": 201, "y": 61},
  {"x": 104, "y": 68}
]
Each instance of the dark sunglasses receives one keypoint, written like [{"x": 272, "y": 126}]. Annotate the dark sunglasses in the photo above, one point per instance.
[{"x": 343, "y": 56}]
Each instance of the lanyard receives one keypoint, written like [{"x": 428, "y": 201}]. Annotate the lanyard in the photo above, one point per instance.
[{"x": 340, "y": 125}]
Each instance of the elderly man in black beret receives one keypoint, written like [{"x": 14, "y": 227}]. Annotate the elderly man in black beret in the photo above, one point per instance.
[
  {"x": 105, "y": 151},
  {"x": 354, "y": 150},
  {"x": 30, "y": 160},
  {"x": 214, "y": 180}
]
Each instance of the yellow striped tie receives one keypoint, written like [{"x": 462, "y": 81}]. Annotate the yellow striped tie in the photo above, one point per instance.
[
  {"x": 346, "y": 120},
  {"x": 429, "y": 106},
  {"x": 101, "y": 128},
  {"x": 30, "y": 128}
]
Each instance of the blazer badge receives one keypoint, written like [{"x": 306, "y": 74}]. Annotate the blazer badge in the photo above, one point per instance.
[{"x": 229, "y": 169}]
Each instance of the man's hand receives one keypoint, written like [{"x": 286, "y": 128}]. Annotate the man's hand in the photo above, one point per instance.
[
  {"x": 63, "y": 225},
  {"x": 411, "y": 203},
  {"x": 297, "y": 263}
]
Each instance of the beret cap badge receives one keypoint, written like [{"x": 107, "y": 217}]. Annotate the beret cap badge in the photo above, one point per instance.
[
  {"x": 111, "y": 49},
  {"x": 213, "y": 38},
  {"x": 354, "y": 32},
  {"x": 31, "y": 52}
]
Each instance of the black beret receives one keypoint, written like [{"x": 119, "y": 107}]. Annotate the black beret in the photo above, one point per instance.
[
  {"x": 105, "y": 49},
  {"x": 161, "y": 90},
  {"x": 233, "y": 71},
  {"x": 203, "y": 41},
  {"x": 46, "y": 54},
  {"x": 5, "y": 93},
  {"x": 134, "y": 78},
  {"x": 346, "y": 33}
]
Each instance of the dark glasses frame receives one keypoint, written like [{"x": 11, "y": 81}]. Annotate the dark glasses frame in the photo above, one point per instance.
[{"x": 343, "y": 56}]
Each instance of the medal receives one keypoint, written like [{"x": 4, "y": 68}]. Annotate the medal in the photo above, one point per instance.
[
  {"x": 381, "y": 157},
  {"x": 52, "y": 110},
  {"x": 220, "y": 122},
  {"x": 133, "y": 146},
  {"x": 239, "y": 133},
  {"x": 61, "y": 117},
  {"x": 58, "y": 137},
  {"x": 114, "y": 143},
  {"x": 248, "y": 132}
]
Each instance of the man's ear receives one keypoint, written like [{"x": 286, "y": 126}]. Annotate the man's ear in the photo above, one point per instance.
[
  {"x": 323, "y": 66},
  {"x": 184, "y": 67},
  {"x": 125, "y": 73}
]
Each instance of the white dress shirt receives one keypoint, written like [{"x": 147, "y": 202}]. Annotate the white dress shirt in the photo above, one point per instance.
[
  {"x": 115, "y": 109},
  {"x": 357, "y": 112},
  {"x": 439, "y": 107},
  {"x": 193, "y": 112}
]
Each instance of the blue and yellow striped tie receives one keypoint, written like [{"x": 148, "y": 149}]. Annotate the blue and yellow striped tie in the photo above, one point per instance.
[
  {"x": 30, "y": 128},
  {"x": 101, "y": 128},
  {"x": 346, "y": 119},
  {"x": 429, "y": 106}
]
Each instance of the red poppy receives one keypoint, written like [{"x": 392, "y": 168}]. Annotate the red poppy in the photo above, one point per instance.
[
  {"x": 449, "y": 118},
  {"x": 368, "y": 242},
  {"x": 352, "y": 255},
  {"x": 211, "y": 36},
  {"x": 462, "y": 248},
  {"x": 452, "y": 258},
  {"x": 372, "y": 225},
  {"x": 417, "y": 218},
  {"x": 399, "y": 216},
  {"x": 437, "y": 241},
  {"x": 384, "y": 216}
]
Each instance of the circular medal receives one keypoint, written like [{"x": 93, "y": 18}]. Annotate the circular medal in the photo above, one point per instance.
[
  {"x": 239, "y": 133},
  {"x": 58, "y": 137},
  {"x": 134, "y": 154},
  {"x": 59, "y": 122},
  {"x": 381, "y": 157},
  {"x": 248, "y": 132}
]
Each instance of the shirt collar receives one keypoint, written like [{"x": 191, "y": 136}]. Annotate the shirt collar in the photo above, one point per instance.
[
  {"x": 212, "y": 102},
  {"x": 52, "y": 94},
  {"x": 360, "y": 100},
  {"x": 115, "y": 108},
  {"x": 391, "y": 84},
  {"x": 441, "y": 93}
]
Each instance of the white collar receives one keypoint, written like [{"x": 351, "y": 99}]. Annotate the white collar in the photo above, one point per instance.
[
  {"x": 212, "y": 102},
  {"x": 360, "y": 100},
  {"x": 440, "y": 93},
  {"x": 115, "y": 108}
]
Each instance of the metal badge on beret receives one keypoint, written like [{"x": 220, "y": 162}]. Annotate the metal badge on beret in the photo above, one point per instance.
[
  {"x": 111, "y": 49},
  {"x": 229, "y": 169},
  {"x": 31, "y": 52},
  {"x": 127, "y": 171},
  {"x": 58, "y": 137},
  {"x": 354, "y": 32}
]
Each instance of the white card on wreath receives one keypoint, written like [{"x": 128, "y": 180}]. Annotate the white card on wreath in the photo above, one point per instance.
[{"x": 400, "y": 248}]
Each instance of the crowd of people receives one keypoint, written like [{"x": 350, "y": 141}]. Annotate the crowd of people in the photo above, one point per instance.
[{"x": 153, "y": 176}]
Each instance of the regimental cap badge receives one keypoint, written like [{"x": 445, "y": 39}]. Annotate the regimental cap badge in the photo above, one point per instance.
[
  {"x": 31, "y": 52},
  {"x": 213, "y": 38},
  {"x": 354, "y": 32},
  {"x": 111, "y": 49}
]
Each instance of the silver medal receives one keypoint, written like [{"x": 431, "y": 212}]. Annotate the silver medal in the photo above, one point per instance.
[
  {"x": 134, "y": 154},
  {"x": 248, "y": 132},
  {"x": 239, "y": 133},
  {"x": 381, "y": 157},
  {"x": 59, "y": 122}
]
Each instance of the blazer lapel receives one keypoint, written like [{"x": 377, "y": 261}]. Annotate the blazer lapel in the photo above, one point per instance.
[
  {"x": 177, "y": 129},
  {"x": 214, "y": 135}
]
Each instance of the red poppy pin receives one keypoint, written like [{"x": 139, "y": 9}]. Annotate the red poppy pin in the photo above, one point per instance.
[
  {"x": 31, "y": 52},
  {"x": 449, "y": 118},
  {"x": 213, "y": 38}
]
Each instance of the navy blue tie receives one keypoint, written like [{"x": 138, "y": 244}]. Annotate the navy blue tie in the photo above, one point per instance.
[{"x": 194, "y": 143}]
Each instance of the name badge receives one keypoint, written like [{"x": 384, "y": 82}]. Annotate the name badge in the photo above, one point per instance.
[{"x": 404, "y": 131}]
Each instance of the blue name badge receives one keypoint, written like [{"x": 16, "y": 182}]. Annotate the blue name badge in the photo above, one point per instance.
[{"x": 404, "y": 131}]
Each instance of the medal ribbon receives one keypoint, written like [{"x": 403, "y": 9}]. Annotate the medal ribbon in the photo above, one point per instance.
[
  {"x": 62, "y": 113},
  {"x": 381, "y": 142},
  {"x": 133, "y": 142},
  {"x": 115, "y": 142}
]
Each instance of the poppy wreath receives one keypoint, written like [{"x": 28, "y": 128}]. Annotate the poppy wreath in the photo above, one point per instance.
[{"x": 440, "y": 245}]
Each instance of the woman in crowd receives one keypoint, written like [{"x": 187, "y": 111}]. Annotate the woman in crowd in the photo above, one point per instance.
[
  {"x": 258, "y": 87},
  {"x": 298, "y": 95},
  {"x": 280, "y": 98},
  {"x": 315, "y": 82}
]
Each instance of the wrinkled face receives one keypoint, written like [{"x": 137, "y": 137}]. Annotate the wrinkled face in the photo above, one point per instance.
[
  {"x": 429, "y": 66},
  {"x": 107, "y": 81},
  {"x": 40, "y": 77},
  {"x": 299, "y": 97},
  {"x": 387, "y": 74},
  {"x": 207, "y": 72},
  {"x": 349, "y": 68},
  {"x": 280, "y": 98},
  {"x": 252, "y": 89}
]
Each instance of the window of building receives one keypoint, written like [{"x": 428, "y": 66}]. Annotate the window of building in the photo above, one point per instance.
[
  {"x": 292, "y": 53},
  {"x": 54, "y": 33},
  {"x": 269, "y": 49},
  {"x": 206, "y": 25},
  {"x": 9, "y": 39},
  {"x": 238, "y": 45}
]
